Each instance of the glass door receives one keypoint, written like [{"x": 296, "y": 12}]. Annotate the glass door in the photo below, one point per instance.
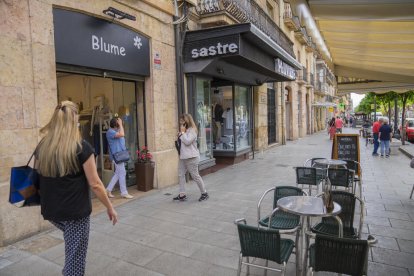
[{"x": 203, "y": 118}]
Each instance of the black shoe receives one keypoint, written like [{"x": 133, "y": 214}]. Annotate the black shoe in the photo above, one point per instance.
[
  {"x": 180, "y": 197},
  {"x": 204, "y": 196},
  {"x": 387, "y": 156},
  {"x": 375, "y": 154}
]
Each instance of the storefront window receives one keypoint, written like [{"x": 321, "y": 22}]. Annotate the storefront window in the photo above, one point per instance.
[
  {"x": 99, "y": 100},
  {"x": 223, "y": 134},
  {"x": 242, "y": 117},
  {"x": 203, "y": 118}
]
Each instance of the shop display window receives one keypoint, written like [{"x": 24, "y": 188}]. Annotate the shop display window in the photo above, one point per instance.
[
  {"x": 242, "y": 117},
  {"x": 99, "y": 100},
  {"x": 203, "y": 118}
]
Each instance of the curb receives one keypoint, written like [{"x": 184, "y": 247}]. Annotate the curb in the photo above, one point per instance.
[{"x": 405, "y": 152}]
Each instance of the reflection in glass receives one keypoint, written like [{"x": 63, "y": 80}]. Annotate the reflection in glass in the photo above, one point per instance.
[
  {"x": 203, "y": 118},
  {"x": 242, "y": 117}
]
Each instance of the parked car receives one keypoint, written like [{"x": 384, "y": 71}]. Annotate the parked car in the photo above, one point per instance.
[{"x": 409, "y": 124}]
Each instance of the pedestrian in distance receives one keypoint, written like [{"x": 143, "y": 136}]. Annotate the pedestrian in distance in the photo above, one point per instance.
[
  {"x": 339, "y": 124},
  {"x": 189, "y": 157},
  {"x": 67, "y": 172},
  {"x": 375, "y": 131},
  {"x": 351, "y": 122},
  {"x": 116, "y": 142},
  {"x": 385, "y": 134},
  {"x": 332, "y": 128}
]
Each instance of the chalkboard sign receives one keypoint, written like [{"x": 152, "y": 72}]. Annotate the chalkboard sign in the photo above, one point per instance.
[{"x": 346, "y": 147}]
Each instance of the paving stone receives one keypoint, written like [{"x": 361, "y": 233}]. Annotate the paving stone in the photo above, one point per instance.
[
  {"x": 4, "y": 263},
  {"x": 379, "y": 269},
  {"x": 217, "y": 256},
  {"x": 396, "y": 223},
  {"x": 123, "y": 268},
  {"x": 406, "y": 246},
  {"x": 32, "y": 266},
  {"x": 392, "y": 257},
  {"x": 392, "y": 232}
]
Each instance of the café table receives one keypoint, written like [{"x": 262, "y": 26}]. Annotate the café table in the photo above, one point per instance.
[
  {"x": 308, "y": 206},
  {"x": 330, "y": 163}
]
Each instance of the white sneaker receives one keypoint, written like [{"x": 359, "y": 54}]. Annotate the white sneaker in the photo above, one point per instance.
[
  {"x": 127, "y": 196},
  {"x": 110, "y": 195}
]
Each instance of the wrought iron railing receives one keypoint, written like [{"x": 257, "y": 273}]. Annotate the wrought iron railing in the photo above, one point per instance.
[
  {"x": 247, "y": 11},
  {"x": 305, "y": 74},
  {"x": 288, "y": 14},
  {"x": 321, "y": 87},
  {"x": 312, "y": 79}
]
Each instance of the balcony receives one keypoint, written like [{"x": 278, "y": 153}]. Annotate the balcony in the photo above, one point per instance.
[
  {"x": 302, "y": 36},
  {"x": 311, "y": 81},
  {"x": 309, "y": 46},
  {"x": 224, "y": 12},
  {"x": 291, "y": 21},
  {"x": 330, "y": 78},
  {"x": 321, "y": 88},
  {"x": 301, "y": 76}
]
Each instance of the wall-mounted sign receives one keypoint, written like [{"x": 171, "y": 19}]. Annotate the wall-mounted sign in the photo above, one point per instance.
[
  {"x": 157, "y": 60},
  {"x": 87, "y": 41},
  {"x": 213, "y": 50},
  {"x": 285, "y": 69},
  {"x": 330, "y": 109}
]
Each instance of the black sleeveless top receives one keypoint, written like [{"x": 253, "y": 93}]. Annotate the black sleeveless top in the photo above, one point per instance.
[{"x": 67, "y": 197}]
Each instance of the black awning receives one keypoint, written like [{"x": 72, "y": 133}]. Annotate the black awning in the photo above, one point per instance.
[{"x": 238, "y": 52}]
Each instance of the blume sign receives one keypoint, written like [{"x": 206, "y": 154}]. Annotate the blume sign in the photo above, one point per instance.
[{"x": 84, "y": 40}]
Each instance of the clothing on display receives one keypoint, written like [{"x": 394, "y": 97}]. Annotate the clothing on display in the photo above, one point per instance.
[
  {"x": 202, "y": 129},
  {"x": 228, "y": 116}
]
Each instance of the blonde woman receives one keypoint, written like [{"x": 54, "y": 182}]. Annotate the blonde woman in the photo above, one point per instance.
[
  {"x": 67, "y": 169},
  {"x": 189, "y": 157}
]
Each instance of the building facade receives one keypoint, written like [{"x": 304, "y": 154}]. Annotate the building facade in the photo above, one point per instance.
[
  {"x": 246, "y": 70},
  {"x": 72, "y": 50}
]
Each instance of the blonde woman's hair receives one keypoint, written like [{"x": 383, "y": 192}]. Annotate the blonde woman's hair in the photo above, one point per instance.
[
  {"x": 188, "y": 119},
  {"x": 57, "y": 151}
]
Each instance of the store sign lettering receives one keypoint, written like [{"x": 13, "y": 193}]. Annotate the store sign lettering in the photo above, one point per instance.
[
  {"x": 98, "y": 44},
  {"x": 219, "y": 49},
  {"x": 285, "y": 69}
]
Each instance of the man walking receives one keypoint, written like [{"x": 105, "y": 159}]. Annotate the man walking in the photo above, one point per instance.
[
  {"x": 375, "y": 131},
  {"x": 385, "y": 133}
]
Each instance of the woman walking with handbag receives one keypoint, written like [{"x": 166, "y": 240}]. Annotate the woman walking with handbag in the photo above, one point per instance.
[
  {"x": 116, "y": 142},
  {"x": 189, "y": 157},
  {"x": 67, "y": 169}
]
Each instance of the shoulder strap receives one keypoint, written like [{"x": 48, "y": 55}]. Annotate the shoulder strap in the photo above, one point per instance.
[{"x": 30, "y": 159}]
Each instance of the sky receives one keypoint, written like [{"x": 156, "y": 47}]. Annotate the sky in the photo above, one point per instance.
[{"x": 356, "y": 98}]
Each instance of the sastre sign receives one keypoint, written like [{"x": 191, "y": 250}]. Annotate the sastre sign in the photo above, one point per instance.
[
  {"x": 285, "y": 69},
  {"x": 213, "y": 50}
]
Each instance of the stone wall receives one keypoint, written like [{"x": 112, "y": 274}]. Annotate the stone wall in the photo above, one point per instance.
[{"x": 29, "y": 93}]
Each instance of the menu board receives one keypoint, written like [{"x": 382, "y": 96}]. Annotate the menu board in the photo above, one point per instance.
[{"x": 346, "y": 147}]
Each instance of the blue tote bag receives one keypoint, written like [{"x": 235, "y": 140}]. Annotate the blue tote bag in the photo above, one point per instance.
[{"x": 24, "y": 186}]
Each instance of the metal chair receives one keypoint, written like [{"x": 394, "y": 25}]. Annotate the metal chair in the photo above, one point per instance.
[
  {"x": 281, "y": 220},
  {"x": 339, "y": 255},
  {"x": 355, "y": 169},
  {"x": 308, "y": 176},
  {"x": 329, "y": 226},
  {"x": 311, "y": 161},
  {"x": 340, "y": 178},
  {"x": 263, "y": 243}
]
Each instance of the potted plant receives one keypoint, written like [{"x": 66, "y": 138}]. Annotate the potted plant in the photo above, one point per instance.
[{"x": 144, "y": 170}]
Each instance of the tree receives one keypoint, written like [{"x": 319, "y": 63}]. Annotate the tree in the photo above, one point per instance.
[
  {"x": 405, "y": 97},
  {"x": 365, "y": 104}
]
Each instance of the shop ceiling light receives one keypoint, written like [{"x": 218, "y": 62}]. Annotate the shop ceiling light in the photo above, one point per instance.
[{"x": 117, "y": 14}]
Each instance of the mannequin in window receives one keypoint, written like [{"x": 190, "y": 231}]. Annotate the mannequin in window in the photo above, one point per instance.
[
  {"x": 218, "y": 121},
  {"x": 228, "y": 116},
  {"x": 201, "y": 127},
  {"x": 100, "y": 117}
]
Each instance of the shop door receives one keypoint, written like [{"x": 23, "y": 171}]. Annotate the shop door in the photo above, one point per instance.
[{"x": 271, "y": 116}]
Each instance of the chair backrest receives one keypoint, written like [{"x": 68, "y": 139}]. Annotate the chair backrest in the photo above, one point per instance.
[
  {"x": 339, "y": 177},
  {"x": 284, "y": 191},
  {"x": 352, "y": 165},
  {"x": 306, "y": 175},
  {"x": 347, "y": 202},
  {"x": 260, "y": 243},
  {"x": 311, "y": 162},
  {"x": 340, "y": 255}
]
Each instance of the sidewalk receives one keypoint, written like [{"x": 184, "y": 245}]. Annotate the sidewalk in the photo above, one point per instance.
[{"x": 156, "y": 236}]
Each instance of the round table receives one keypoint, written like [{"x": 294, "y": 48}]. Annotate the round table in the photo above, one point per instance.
[
  {"x": 330, "y": 162},
  {"x": 308, "y": 206}
]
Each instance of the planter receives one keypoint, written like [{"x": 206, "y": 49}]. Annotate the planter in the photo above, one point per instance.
[{"x": 144, "y": 173}]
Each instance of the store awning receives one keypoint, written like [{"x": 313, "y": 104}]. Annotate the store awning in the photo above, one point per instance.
[
  {"x": 326, "y": 104},
  {"x": 240, "y": 52}
]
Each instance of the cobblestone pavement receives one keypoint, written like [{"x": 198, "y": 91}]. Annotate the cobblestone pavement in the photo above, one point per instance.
[{"x": 156, "y": 236}]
